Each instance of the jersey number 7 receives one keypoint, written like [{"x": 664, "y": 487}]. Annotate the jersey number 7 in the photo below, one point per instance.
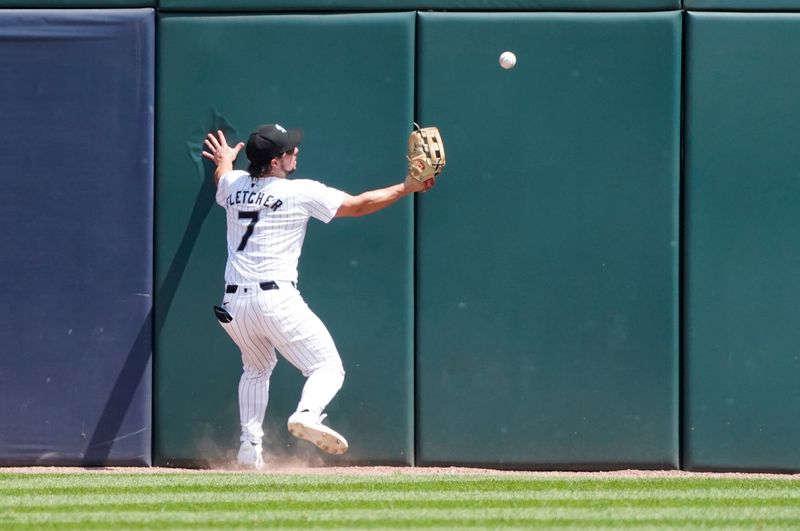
[{"x": 253, "y": 216}]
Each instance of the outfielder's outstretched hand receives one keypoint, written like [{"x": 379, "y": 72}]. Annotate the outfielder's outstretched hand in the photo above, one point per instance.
[
  {"x": 218, "y": 151},
  {"x": 413, "y": 185}
]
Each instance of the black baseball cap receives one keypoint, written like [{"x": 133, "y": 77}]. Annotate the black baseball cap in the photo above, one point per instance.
[{"x": 269, "y": 141}]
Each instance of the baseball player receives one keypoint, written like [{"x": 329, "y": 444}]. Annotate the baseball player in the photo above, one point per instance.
[{"x": 262, "y": 309}]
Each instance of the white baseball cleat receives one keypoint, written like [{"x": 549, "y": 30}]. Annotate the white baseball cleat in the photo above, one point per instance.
[
  {"x": 308, "y": 426},
  {"x": 250, "y": 456}
]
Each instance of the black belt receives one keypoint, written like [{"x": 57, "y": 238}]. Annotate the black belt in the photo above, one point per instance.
[{"x": 266, "y": 286}]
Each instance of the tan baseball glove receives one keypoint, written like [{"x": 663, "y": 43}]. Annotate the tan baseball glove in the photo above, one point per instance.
[{"x": 425, "y": 153}]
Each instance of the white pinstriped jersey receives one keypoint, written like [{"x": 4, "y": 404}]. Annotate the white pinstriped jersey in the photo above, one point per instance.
[{"x": 267, "y": 219}]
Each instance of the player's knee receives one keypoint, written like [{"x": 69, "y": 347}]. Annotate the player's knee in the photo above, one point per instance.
[
  {"x": 332, "y": 368},
  {"x": 337, "y": 369},
  {"x": 257, "y": 373},
  {"x": 330, "y": 371}
]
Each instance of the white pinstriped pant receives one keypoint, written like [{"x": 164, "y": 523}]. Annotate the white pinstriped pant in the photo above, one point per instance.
[{"x": 266, "y": 320}]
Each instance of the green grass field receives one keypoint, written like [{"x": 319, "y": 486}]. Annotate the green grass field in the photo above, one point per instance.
[{"x": 118, "y": 500}]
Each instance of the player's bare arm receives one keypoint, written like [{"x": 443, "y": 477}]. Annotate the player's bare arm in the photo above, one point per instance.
[
  {"x": 375, "y": 200},
  {"x": 221, "y": 154}
]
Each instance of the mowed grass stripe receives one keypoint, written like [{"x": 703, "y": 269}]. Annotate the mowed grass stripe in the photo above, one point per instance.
[
  {"x": 67, "y": 501},
  {"x": 452, "y": 523},
  {"x": 234, "y": 505},
  {"x": 719, "y": 514},
  {"x": 93, "y": 482}
]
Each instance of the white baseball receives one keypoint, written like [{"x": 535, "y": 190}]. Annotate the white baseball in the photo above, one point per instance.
[{"x": 508, "y": 60}]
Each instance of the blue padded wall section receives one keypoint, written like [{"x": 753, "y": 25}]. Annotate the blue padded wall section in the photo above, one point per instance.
[
  {"x": 76, "y": 99},
  {"x": 85, "y": 4}
]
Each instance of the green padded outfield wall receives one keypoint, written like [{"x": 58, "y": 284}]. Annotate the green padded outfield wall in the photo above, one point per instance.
[
  {"x": 742, "y": 338},
  {"x": 300, "y": 70},
  {"x": 548, "y": 254},
  {"x": 452, "y": 5},
  {"x": 742, "y": 5}
]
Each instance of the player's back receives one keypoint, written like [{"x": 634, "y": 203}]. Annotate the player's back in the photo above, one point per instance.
[{"x": 266, "y": 220}]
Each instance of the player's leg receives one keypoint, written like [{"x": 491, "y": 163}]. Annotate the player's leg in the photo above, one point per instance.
[
  {"x": 258, "y": 361},
  {"x": 253, "y": 399},
  {"x": 321, "y": 386},
  {"x": 305, "y": 342}
]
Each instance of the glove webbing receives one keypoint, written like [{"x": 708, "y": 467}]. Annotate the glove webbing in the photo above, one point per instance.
[{"x": 432, "y": 149}]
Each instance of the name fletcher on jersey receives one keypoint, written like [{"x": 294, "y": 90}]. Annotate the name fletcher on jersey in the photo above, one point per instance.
[{"x": 245, "y": 197}]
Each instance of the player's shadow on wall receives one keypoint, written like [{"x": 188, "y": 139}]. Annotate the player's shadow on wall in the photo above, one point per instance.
[
  {"x": 138, "y": 360},
  {"x": 137, "y": 365},
  {"x": 166, "y": 292},
  {"x": 135, "y": 376},
  {"x": 205, "y": 200}
]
